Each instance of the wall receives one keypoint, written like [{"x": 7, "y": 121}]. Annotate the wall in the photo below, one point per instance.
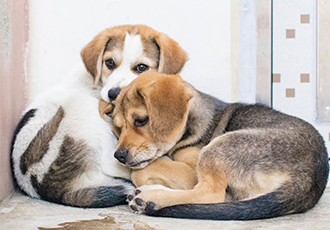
[
  {"x": 13, "y": 39},
  {"x": 295, "y": 61},
  {"x": 59, "y": 29}
]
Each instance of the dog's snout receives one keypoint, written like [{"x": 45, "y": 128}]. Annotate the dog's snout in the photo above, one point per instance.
[
  {"x": 113, "y": 93},
  {"x": 121, "y": 155}
]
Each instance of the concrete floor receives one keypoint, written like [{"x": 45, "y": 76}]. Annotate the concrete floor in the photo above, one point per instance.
[{"x": 23, "y": 213}]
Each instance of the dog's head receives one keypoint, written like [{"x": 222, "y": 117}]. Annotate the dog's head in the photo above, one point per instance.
[
  {"x": 119, "y": 54},
  {"x": 149, "y": 117}
]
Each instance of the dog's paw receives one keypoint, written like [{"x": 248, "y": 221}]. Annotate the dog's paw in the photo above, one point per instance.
[
  {"x": 140, "y": 206},
  {"x": 145, "y": 199}
]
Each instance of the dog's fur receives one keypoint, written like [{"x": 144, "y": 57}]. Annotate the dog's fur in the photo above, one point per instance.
[
  {"x": 253, "y": 162},
  {"x": 62, "y": 149}
]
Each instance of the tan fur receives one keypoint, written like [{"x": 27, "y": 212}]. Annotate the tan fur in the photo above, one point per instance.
[
  {"x": 160, "y": 110},
  {"x": 167, "y": 118},
  {"x": 104, "y": 108},
  {"x": 217, "y": 160},
  {"x": 210, "y": 190},
  {"x": 165, "y": 172}
]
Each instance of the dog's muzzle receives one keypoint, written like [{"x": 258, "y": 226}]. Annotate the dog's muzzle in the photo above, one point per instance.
[{"x": 121, "y": 155}]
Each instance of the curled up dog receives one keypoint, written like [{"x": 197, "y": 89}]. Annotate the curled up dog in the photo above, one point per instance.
[
  {"x": 229, "y": 161},
  {"x": 62, "y": 150}
]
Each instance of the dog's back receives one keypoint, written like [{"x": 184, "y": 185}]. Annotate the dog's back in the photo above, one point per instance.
[
  {"x": 285, "y": 144},
  {"x": 276, "y": 164}
]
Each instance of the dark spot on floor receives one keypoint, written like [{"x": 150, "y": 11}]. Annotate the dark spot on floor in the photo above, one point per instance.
[{"x": 107, "y": 223}]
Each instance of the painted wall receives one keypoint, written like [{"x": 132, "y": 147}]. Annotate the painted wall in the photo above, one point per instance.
[
  {"x": 295, "y": 61},
  {"x": 13, "y": 38},
  {"x": 59, "y": 30}
]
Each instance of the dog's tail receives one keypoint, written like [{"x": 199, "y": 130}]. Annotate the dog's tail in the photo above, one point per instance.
[
  {"x": 99, "y": 197},
  {"x": 266, "y": 206},
  {"x": 88, "y": 197}
]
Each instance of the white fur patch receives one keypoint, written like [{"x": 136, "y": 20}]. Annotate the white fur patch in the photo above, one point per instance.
[
  {"x": 155, "y": 187},
  {"x": 82, "y": 122},
  {"x": 123, "y": 75}
]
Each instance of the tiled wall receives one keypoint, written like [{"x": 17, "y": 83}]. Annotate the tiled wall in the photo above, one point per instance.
[{"x": 295, "y": 62}]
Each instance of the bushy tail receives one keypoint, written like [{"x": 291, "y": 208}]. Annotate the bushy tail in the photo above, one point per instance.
[
  {"x": 89, "y": 197},
  {"x": 99, "y": 197},
  {"x": 265, "y": 206}
]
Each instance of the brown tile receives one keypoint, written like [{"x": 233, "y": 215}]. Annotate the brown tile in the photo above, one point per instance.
[
  {"x": 290, "y": 93},
  {"x": 277, "y": 77},
  {"x": 304, "y": 77},
  {"x": 290, "y": 33},
  {"x": 304, "y": 18}
]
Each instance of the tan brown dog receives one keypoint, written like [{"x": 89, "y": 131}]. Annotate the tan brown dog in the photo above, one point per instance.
[{"x": 264, "y": 162}]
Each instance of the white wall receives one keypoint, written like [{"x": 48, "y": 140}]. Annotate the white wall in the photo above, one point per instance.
[
  {"x": 60, "y": 28},
  {"x": 294, "y": 56}
]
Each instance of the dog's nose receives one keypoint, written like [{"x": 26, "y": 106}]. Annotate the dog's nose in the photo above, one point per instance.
[
  {"x": 113, "y": 93},
  {"x": 121, "y": 155}
]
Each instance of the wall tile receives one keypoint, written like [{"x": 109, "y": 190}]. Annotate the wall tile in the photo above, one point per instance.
[
  {"x": 290, "y": 92},
  {"x": 304, "y": 78},
  {"x": 276, "y": 78},
  {"x": 290, "y": 33},
  {"x": 304, "y": 18}
]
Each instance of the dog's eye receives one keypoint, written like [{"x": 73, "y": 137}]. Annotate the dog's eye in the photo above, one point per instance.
[
  {"x": 140, "y": 68},
  {"x": 139, "y": 122},
  {"x": 110, "y": 63}
]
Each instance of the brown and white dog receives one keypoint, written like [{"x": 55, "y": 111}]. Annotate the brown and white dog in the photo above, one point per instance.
[
  {"x": 124, "y": 52},
  {"x": 265, "y": 163},
  {"x": 62, "y": 149}
]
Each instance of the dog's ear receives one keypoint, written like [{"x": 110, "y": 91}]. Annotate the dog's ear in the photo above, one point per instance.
[
  {"x": 167, "y": 101},
  {"x": 92, "y": 54},
  {"x": 172, "y": 56},
  {"x": 105, "y": 108}
]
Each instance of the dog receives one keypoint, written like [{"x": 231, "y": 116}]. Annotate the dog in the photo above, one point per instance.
[
  {"x": 229, "y": 161},
  {"x": 62, "y": 150}
]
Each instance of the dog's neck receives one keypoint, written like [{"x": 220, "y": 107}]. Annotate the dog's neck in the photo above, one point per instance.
[
  {"x": 79, "y": 78},
  {"x": 204, "y": 115}
]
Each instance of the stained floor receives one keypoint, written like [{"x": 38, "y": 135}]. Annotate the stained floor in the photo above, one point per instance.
[{"x": 23, "y": 213}]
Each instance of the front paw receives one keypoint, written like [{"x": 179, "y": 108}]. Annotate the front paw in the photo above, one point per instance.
[
  {"x": 145, "y": 199},
  {"x": 135, "y": 203},
  {"x": 140, "y": 206}
]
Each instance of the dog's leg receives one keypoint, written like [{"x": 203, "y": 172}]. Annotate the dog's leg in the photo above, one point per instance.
[
  {"x": 177, "y": 174},
  {"x": 211, "y": 188}
]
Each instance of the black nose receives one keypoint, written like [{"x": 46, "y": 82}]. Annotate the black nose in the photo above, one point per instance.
[
  {"x": 113, "y": 93},
  {"x": 121, "y": 155}
]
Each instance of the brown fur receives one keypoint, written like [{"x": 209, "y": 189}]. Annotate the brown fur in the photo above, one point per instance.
[
  {"x": 62, "y": 172},
  {"x": 30, "y": 157},
  {"x": 146, "y": 93},
  {"x": 158, "y": 46},
  {"x": 267, "y": 163}
]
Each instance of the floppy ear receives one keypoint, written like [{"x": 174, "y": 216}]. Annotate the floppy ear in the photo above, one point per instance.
[
  {"x": 167, "y": 103},
  {"x": 104, "y": 108},
  {"x": 172, "y": 56},
  {"x": 92, "y": 55}
]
